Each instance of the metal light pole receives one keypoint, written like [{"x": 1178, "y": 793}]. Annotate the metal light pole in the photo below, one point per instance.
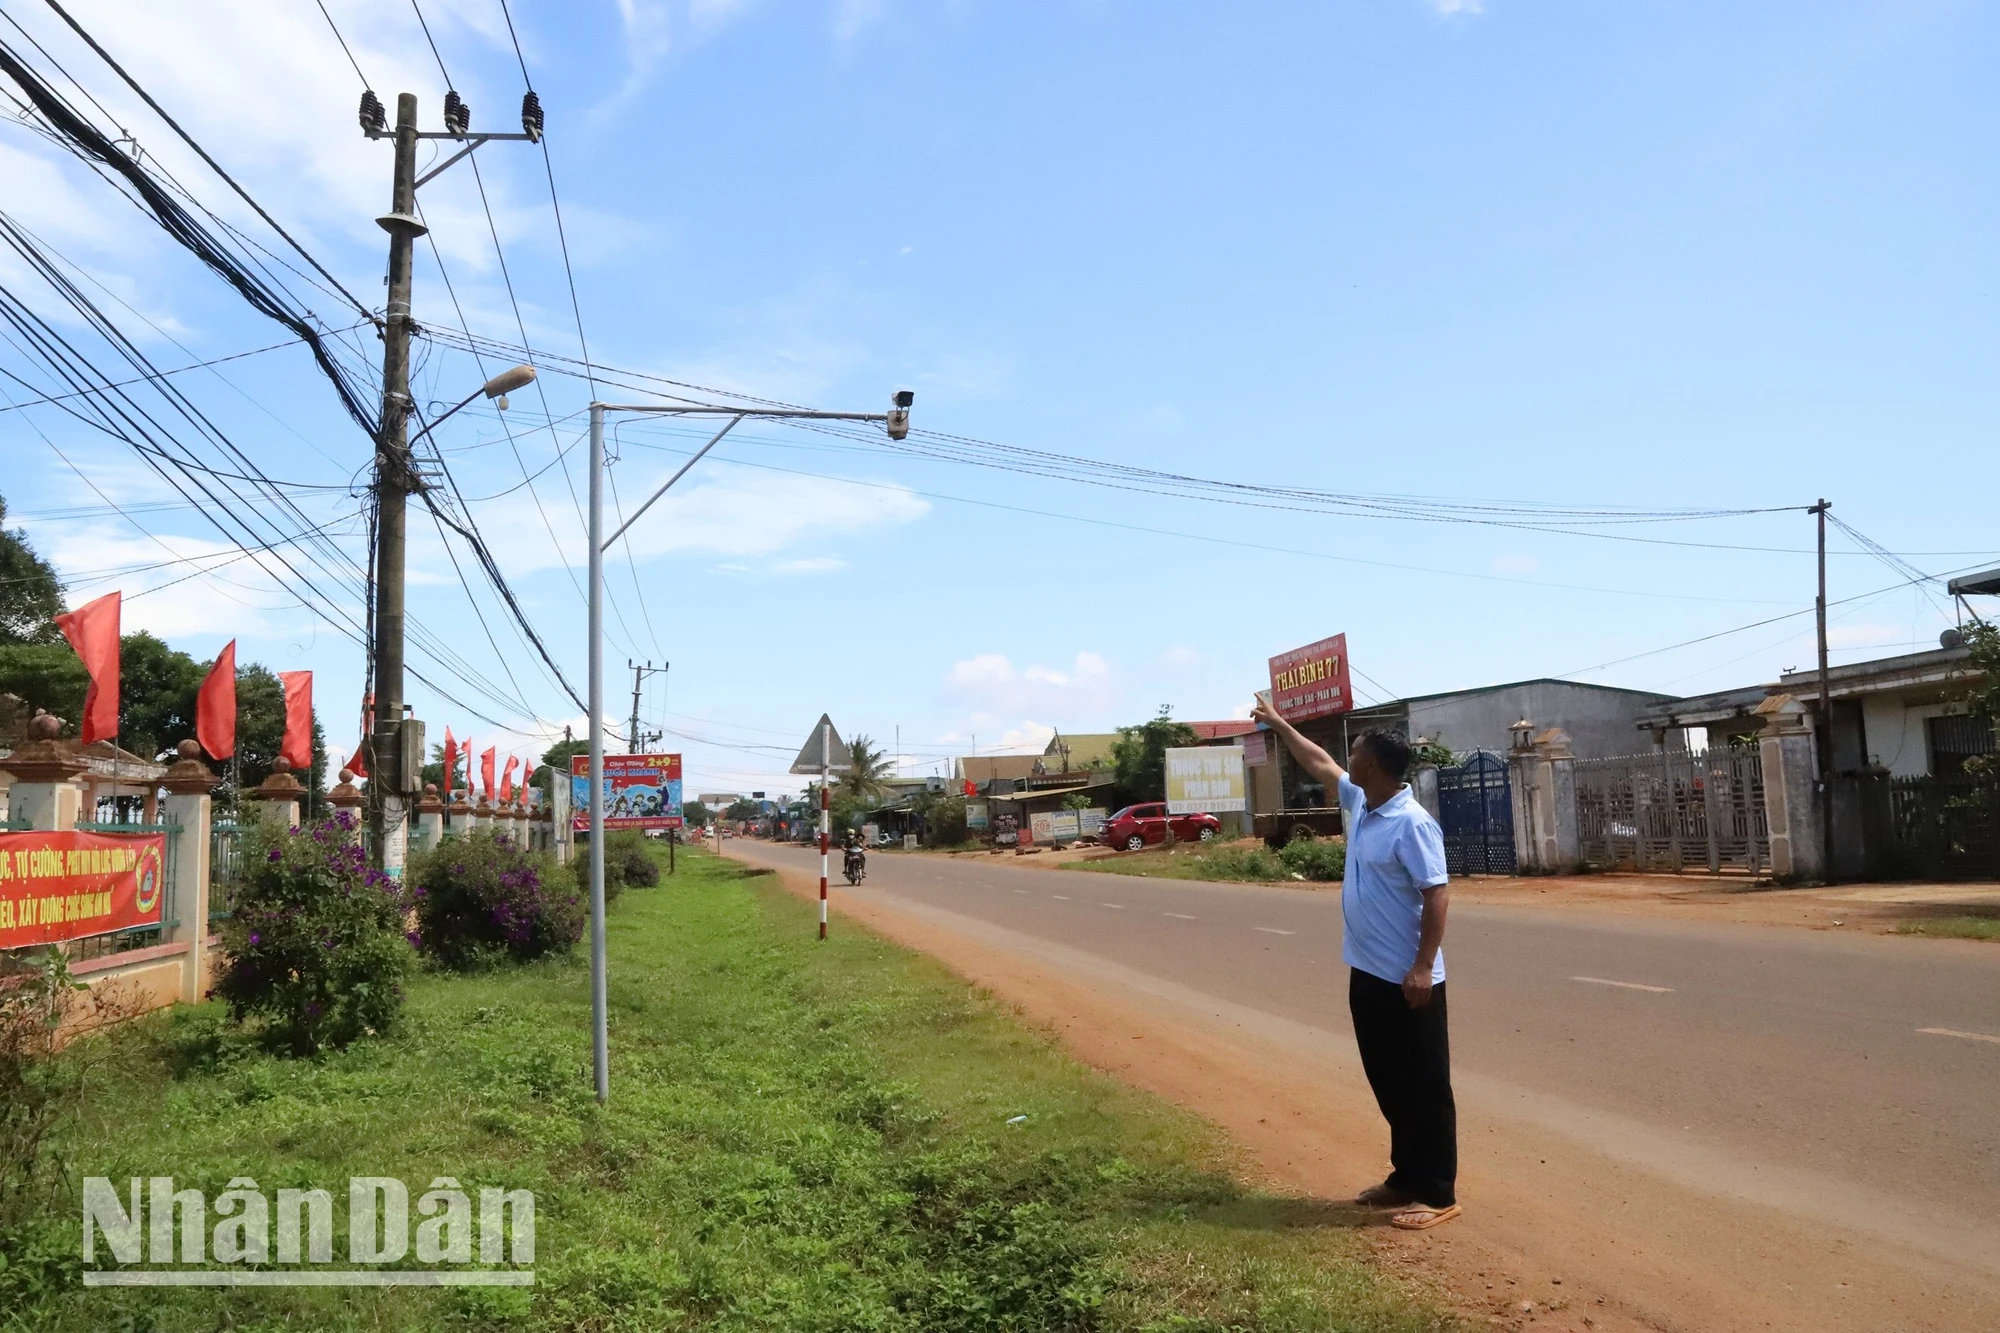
[{"x": 896, "y": 421}]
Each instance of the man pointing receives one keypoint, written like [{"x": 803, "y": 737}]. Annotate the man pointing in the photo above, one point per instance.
[{"x": 1392, "y": 906}]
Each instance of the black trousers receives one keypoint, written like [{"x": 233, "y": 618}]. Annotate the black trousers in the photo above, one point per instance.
[{"x": 1407, "y": 1057}]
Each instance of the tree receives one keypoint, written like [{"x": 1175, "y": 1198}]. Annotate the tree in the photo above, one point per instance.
[
  {"x": 557, "y": 758},
  {"x": 1982, "y": 693},
  {"x": 1139, "y": 755},
  {"x": 867, "y": 767},
  {"x": 31, "y": 595},
  {"x": 695, "y": 813},
  {"x": 743, "y": 808},
  {"x": 156, "y": 693}
]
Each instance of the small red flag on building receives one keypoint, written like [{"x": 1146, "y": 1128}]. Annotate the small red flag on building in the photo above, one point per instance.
[
  {"x": 215, "y": 706},
  {"x": 486, "y": 771},
  {"x": 297, "y": 750},
  {"x": 507, "y": 779},
  {"x": 92, "y": 630},
  {"x": 450, "y": 764}
]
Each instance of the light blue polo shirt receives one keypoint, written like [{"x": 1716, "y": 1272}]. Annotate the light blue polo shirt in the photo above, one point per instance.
[{"x": 1394, "y": 853}]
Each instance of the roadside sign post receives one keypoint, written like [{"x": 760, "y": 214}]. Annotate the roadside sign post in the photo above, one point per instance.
[{"x": 826, "y": 741}]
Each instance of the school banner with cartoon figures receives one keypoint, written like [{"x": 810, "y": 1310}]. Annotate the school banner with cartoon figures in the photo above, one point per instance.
[
  {"x": 64, "y": 886},
  {"x": 641, "y": 791}
]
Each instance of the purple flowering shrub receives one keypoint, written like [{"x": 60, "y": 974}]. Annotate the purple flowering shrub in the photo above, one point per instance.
[
  {"x": 315, "y": 941},
  {"x": 484, "y": 898}
]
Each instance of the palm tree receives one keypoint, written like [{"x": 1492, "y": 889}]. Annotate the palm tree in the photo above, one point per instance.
[{"x": 867, "y": 767}]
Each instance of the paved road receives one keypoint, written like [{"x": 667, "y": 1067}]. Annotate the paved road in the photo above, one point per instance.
[{"x": 1845, "y": 1075}]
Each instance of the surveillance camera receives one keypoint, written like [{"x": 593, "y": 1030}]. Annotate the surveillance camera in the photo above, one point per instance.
[{"x": 904, "y": 398}]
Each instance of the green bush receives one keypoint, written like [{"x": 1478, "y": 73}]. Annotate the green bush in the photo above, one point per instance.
[
  {"x": 484, "y": 897},
  {"x": 314, "y": 940},
  {"x": 1315, "y": 858},
  {"x": 628, "y": 864}
]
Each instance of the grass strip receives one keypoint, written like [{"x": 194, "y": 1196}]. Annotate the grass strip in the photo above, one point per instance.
[
  {"x": 1952, "y": 927},
  {"x": 1313, "y": 860},
  {"x": 801, "y": 1136}
]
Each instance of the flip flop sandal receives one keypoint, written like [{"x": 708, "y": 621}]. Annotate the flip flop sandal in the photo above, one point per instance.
[
  {"x": 1423, "y": 1217},
  {"x": 1382, "y": 1196}
]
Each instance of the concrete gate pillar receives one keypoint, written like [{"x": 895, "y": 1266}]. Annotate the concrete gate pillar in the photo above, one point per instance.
[
  {"x": 279, "y": 796},
  {"x": 461, "y": 814},
  {"x": 430, "y": 818},
  {"x": 1547, "y": 838},
  {"x": 189, "y": 805},
  {"x": 1791, "y": 791},
  {"x": 45, "y": 794}
]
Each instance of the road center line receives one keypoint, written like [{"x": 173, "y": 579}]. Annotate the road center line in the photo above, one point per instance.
[
  {"x": 1118, "y": 906},
  {"x": 1022, "y": 892},
  {"x": 1178, "y": 916},
  {"x": 1954, "y": 1032},
  {"x": 1626, "y": 985},
  {"x": 1060, "y": 897},
  {"x": 1273, "y": 930}
]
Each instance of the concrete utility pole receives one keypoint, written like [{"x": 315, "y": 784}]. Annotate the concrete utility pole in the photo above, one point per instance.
[
  {"x": 391, "y": 780},
  {"x": 1825, "y": 706},
  {"x": 393, "y": 484},
  {"x": 639, "y": 674}
]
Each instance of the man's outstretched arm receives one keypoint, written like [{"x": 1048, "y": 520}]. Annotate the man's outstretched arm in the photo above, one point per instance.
[{"x": 1311, "y": 757}]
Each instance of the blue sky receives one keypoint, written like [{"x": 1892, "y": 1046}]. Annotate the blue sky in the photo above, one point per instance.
[{"x": 1645, "y": 254}]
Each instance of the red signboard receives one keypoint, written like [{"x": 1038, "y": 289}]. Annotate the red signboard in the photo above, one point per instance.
[
  {"x": 1312, "y": 682},
  {"x": 640, "y": 791},
  {"x": 64, "y": 886}
]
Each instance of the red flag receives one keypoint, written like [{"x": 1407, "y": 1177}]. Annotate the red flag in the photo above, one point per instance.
[
  {"x": 358, "y": 765},
  {"x": 486, "y": 771},
  {"x": 297, "y": 750},
  {"x": 215, "y": 706},
  {"x": 507, "y": 779},
  {"x": 92, "y": 629},
  {"x": 450, "y": 763}
]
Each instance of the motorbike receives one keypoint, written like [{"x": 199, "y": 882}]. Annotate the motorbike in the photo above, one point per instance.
[{"x": 854, "y": 865}]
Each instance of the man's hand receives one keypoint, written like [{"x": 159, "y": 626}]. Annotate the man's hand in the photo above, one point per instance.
[
  {"x": 1417, "y": 986},
  {"x": 1261, "y": 711}
]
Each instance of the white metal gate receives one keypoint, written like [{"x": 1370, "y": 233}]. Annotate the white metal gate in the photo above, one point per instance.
[{"x": 1673, "y": 810}]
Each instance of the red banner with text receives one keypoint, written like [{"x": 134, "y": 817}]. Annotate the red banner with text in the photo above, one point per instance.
[
  {"x": 63, "y": 886},
  {"x": 1312, "y": 681}
]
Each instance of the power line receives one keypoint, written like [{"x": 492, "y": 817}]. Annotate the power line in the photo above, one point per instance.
[
  {"x": 201, "y": 152},
  {"x": 343, "y": 43}
]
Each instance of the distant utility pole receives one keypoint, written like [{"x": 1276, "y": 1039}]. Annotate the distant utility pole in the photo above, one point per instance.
[
  {"x": 639, "y": 674},
  {"x": 395, "y": 764},
  {"x": 1825, "y": 746}
]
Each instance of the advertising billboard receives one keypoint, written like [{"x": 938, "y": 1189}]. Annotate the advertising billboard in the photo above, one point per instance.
[
  {"x": 641, "y": 791},
  {"x": 1312, "y": 681},
  {"x": 1205, "y": 779},
  {"x": 67, "y": 885}
]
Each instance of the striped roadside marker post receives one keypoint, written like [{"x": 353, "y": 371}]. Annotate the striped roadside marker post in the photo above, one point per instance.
[{"x": 821, "y": 754}]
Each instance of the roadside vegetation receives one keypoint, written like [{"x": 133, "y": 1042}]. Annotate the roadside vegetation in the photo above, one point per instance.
[
  {"x": 802, "y": 1136},
  {"x": 1952, "y": 927},
  {"x": 1313, "y": 860}
]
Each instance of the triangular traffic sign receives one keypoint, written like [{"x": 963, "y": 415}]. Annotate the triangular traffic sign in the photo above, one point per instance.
[{"x": 823, "y": 750}]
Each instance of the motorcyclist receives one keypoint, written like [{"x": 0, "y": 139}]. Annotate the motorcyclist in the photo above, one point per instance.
[{"x": 854, "y": 858}]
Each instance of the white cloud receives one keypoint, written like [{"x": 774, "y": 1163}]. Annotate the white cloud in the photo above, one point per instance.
[
  {"x": 734, "y": 512},
  {"x": 1514, "y": 562},
  {"x": 1180, "y": 655},
  {"x": 1457, "y": 8},
  {"x": 824, "y": 564},
  {"x": 993, "y": 684}
]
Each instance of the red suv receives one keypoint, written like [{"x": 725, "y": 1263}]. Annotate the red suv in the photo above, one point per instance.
[{"x": 1138, "y": 826}]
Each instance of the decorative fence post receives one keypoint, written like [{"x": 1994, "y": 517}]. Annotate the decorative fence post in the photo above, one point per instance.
[
  {"x": 347, "y": 797},
  {"x": 280, "y": 795},
  {"x": 190, "y": 806},
  {"x": 461, "y": 814},
  {"x": 1791, "y": 790},
  {"x": 483, "y": 813},
  {"x": 45, "y": 794},
  {"x": 430, "y": 818}
]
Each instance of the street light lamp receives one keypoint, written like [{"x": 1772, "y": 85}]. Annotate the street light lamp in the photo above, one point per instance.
[
  {"x": 496, "y": 388},
  {"x": 896, "y": 421}
]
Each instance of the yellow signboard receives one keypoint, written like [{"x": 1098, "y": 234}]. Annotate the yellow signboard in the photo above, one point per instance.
[{"x": 1206, "y": 778}]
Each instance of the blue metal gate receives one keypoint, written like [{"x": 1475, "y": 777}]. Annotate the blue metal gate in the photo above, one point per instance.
[{"x": 1476, "y": 812}]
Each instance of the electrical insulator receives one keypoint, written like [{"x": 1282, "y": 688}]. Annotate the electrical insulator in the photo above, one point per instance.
[
  {"x": 373, "y": 117},
  {"x": 531, "y": 116},
  {"x": 457, "y": 115}
]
